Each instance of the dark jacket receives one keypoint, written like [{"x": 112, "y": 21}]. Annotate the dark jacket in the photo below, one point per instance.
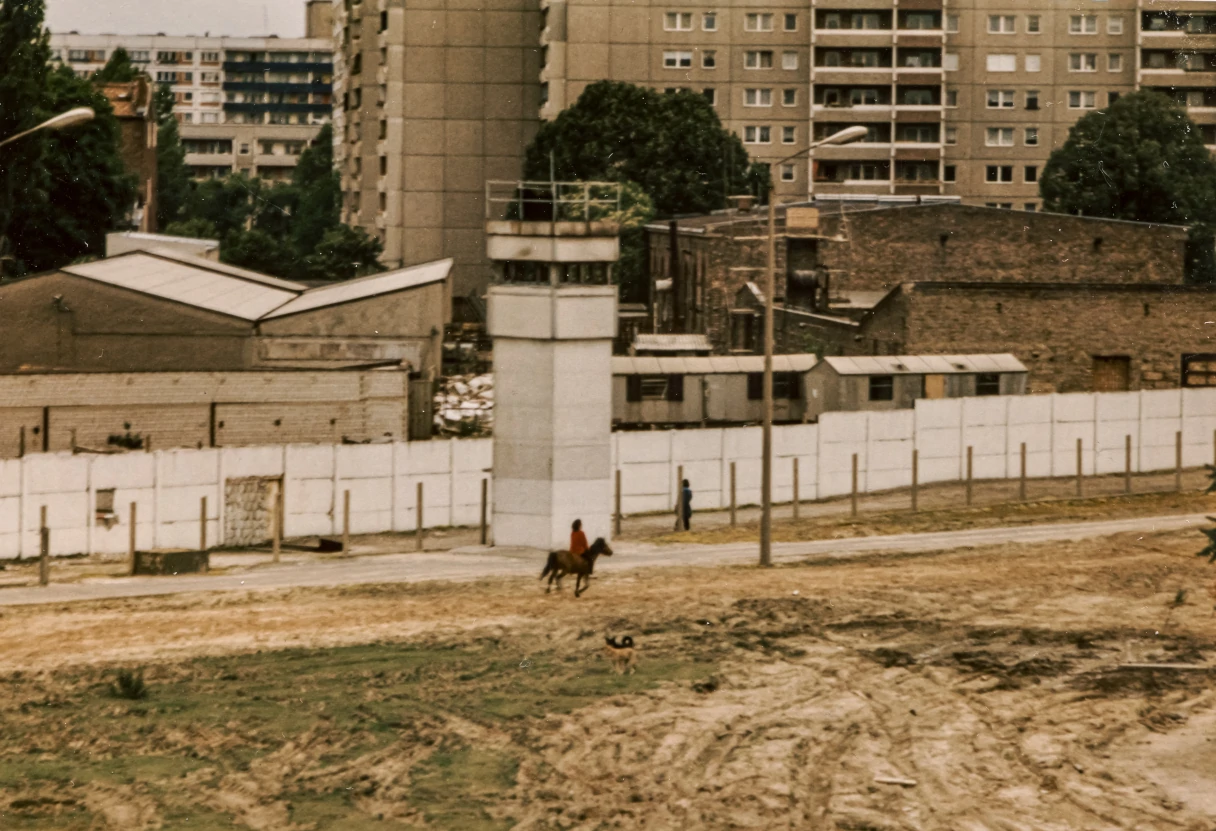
[{"x": 687, "y": 506}]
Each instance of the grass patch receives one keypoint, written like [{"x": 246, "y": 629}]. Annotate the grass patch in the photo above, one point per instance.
[{"x": 453, "y": 787}]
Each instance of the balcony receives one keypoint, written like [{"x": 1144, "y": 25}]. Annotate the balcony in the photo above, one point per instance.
[{"x": 260, "y": 66}]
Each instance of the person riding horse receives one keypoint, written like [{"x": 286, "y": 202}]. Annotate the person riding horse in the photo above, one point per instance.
[{"x": 579, "y": 560}]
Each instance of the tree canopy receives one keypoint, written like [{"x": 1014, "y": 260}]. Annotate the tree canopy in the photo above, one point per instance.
[
  {"x": 118, "y": 69},
  {"x": 172, "y": 174},
  {"x": 672, "y": 144}
]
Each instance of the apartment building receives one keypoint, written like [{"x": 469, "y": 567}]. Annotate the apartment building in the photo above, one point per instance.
[
  {"x": 961, "y": 98},
  {"x": 244, "y": 104}
]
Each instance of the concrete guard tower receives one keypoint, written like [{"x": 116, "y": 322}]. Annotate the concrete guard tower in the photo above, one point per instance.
[{"x": 552, "y": 315}]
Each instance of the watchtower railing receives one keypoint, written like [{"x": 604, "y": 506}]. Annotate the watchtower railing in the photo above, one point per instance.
[{"x": 525, "y": 201}]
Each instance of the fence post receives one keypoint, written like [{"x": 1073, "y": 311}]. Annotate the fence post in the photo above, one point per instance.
[
  {"x": 970, "y": 472},
  {"x": 44, "y": 551},
  {"x": 72, "y": 438},
  {"x": 202, "y": 524},
  {"x": 1178, "y": 461},
  {"x": 148, "y": 444},
  {"x": 485, "y": 496},
  {"x": 1079, "y": 452},
  {"x": 915, "y": 478},
  {"x": 418, "y": 517},
  {"x": 1127, "y": 464},
  {"x": 21, "y": 444},
  {"x": 795, "y": 487},
  {"x": 854, "y": 489},
  {"x": 276, "y": 529},
  {"x": 1022, "y": 481},
  {"x": 346, "y": 523},
  {"x": 617, "y": 505},
  {"x": 733, "y": 503},
  {"x": 679, "y": 497},
  {"x": 131, "y": 540}
]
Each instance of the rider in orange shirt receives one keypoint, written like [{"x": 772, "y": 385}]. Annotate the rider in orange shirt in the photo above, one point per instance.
[{"x": 578, "y": 540}]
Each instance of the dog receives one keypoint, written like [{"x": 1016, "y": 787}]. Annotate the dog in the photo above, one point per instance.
[{"x": 623, "y": 655}]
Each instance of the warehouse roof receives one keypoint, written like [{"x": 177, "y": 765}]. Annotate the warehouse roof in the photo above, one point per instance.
[
  {"x": 671, "y": 343},
  {"x": 713, "y": 365},
  {"x": 365, "y": 287},
  {"x": 924, "y": 364}
]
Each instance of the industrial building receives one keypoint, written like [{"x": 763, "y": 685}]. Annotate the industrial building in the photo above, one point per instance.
[{"x": 132, "y": 106}]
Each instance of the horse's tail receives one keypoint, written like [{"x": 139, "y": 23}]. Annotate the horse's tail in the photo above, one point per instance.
[{"x": 551, "y": 565}]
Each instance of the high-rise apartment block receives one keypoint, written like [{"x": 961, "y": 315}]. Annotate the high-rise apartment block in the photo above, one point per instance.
[
  {"x": 963, "y": 98},
  {"x": 245, "y": 104}
]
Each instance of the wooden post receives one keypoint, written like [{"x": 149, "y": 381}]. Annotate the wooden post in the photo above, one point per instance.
[
  {"x": 202, "y": 524},
  {"x": 679, "y": 497},
  {"x": 854, "y": 492},
  {"x": 44, "y": 551},
  {"x": 1079, "y": 457},
  {"x": 46, "y": 429},
  {"x": 795, "y": 487},
  {"x": 276, "y": 527},
  {"x": 616, "y": 530},
  {"x": 345, "y": 523},
  {"x": 1178, "y": 461},
  {"x": 148, "y": 444},
  {"x": 915, "y": 479},
  {"x": 485, "y": 497},
  {"x": 1127, "y": 464},
  {"x": 970, "y": 471},
  {"x": 21, "y": 444},
  {"x": 1022, "y": 481},
  {"x": 72, "y": 436},
  {"x": 733, "y": 502},
  {"x": 418, "y": 517},
  {"x": 131, "y": 540}
]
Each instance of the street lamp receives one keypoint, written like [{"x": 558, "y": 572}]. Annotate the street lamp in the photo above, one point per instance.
[
  {"x": 71, "y": 118},
  {"x": 845, "y": 136}
]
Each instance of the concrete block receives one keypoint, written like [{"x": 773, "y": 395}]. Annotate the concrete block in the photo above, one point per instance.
[
  {"x": 894, "y": 425},
  {"x": 130, "y": 470},
  {"x": 1072, "y": 407},
  {"x": 743, "y": 442},
  {"x": 647, "y": 447},
  {"x": 985, "y": 411},
  {"x": 1030, "y": 409},
  {"x": 364, "y": 461},
  {"x": 239, "y": 462},
  {"x": 10, "y": 480},
  {"x": 1160, "y": 404},
  {"x": 696, "y": 445},
  {"x": 55, "y": 473},
  {"x": 838, "y": 428},
  {"x": 188, "y": 467},
  {"x": 938, "y": 414}
]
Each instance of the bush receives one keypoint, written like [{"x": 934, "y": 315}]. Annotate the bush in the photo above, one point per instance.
[{"x": 129, "y": 684}]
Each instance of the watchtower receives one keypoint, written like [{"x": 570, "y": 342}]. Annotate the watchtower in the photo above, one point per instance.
[{"x": 552, "y": 315}]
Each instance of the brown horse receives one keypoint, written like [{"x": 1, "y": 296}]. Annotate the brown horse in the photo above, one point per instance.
[{"x": 562, "y": 563}]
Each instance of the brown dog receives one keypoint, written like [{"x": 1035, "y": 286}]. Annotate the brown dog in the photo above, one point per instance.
[{"x": 624, "y": 655}]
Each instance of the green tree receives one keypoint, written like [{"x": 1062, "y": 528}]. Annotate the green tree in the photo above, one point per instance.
[
  {"x": 24, "y": 56},
  {"x": 198, "y": 228},
  {"x": 259, "y": 250},
  {"x": 318, "y": 192},
  {"x": 343, "y": 254},
  {"x": 1141, "y": 159},
  {"x": 82, "y": 189},
  {"x": 673, "y": 145},
  {"x": 172, "y": 175},
  {"x": 118, "y": 69}
]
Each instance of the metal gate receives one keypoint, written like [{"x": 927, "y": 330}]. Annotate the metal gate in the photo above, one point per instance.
[{"x": 422, "y": 408}]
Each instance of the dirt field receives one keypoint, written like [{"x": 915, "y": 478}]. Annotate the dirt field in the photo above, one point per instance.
[{"x": 992, "y": 681}]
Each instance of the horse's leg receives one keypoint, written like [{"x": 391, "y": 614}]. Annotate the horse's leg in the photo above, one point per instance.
[{"x": 578, "y": 580}]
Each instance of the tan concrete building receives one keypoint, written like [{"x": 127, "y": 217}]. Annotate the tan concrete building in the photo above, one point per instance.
[{"x": 963, "y": 98}]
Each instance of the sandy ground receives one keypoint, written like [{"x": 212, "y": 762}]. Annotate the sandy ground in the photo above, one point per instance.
[{"x": 993, "y": 681}]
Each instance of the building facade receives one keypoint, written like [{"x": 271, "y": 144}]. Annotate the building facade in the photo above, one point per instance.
[
  {"x": 250, "y": 105},
  {"x": 132, "y": 105}
]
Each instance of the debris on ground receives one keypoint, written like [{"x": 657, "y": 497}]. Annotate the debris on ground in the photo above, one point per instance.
[{"x": 464, "y": 406}]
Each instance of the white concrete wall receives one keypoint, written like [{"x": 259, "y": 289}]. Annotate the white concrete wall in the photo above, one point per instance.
[{"x": 167, "y": 485}]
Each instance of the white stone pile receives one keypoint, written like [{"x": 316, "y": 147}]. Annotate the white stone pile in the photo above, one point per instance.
[{"x": 464, "y": 406}]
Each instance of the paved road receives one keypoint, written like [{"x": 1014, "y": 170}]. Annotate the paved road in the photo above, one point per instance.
[{"x": 478, "y": 563}]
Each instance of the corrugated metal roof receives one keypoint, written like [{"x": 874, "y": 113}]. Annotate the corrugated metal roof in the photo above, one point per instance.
[
  {"x": 188, "y": 283},
  {"x": 924, "y": 364},
  {"x": 364, "y": 287},
  {"x": 672, "y": 343},
  {"x": 223, "y": 268},
  {"x": 712, "y": 365}
]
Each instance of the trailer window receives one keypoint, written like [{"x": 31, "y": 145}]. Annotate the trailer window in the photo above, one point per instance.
[
  {"x": 988, "y": 383},
  {"x": 882, "y": 387},
  {"x": 786, "y": 386},
  {"x": 1199, "y": 370},
  {"x": 654, "y": 387}
]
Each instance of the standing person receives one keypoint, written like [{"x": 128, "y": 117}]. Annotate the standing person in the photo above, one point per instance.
[
  {"x": 578, "y": 540},
  {"x": 686, "y": 503}
]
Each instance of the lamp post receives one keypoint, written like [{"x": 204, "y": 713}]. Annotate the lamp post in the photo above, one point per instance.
[
  {"x": 845, "y": 136},
  {"x": 71, "y": 118}
]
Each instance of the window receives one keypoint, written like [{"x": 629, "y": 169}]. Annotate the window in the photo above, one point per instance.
[
  {"x": 1114, "y": 62},
  {"x": 1083, "y": 24},
  {"x": 757, "y": 135},
  {"x": 789, "y": 97},
  {"x": 952, "y": 23},
  {"x": 1078, "y": 62},
  {"x": 999, "y": 137},
  {"x": 951, "y": 98},
  {"x": 757, "y": 98},
  {"x": 1033, "y": 26},
  {"x": 711, "y": 95},
  {"x": 205, "y": 57},
  {"x": 948, "y": 173},
  {"x": 384, "y": 165},
  {"x": 1111, "y": 97},
  {"x": 758, "y": 60},
  {"x": 916, "y": 171},
  {"x": 677, "y": 22},
  {"x": 917, "y": 134},
  {"x": 787, "y": 173},
  {"x": 1002, "y": 63},
  {"x": 950, "y": 62},
  {"x": 1002, "y": 24},
  {"x": 1032, "y": 137},
  {"x": 917, "y": 97},
  {"x": 210, "y": 77},
  {"x": 1032, "y": 99},
  {"x": 1000, "y": 99},
  {"x": 758, "y": 22},
  {"x": 951, "y": 135},
  {"x": 1007, "y": 206},
  {"x": 1081, "y": 100},
  {"x": 244, "y": 149},
  {"x": 655, "y": 388},
  {"x": 1033, "y": 63},
  {"x": 788, "y": 135},
  {"x": 677, "y": 60},
  {"x": 882, "y": 387},
  {"x": 1114, "y": 25},
  {"x": 1000, "y": 173},
  {"x": 1030, "y": 174},
  {"x": 790, "y": 23},
  {"x": 104, "y": 506},
  {"x": 988, "y": 383},
  {"x": 786, "y": 385},
  {"x": 1197, "y": 371},
  {"x": 709, "y": 22},
  {"x": 1030, "y": 207},
  {"x": 709, "y": 59},
  {"x": 868, "y": 172},
  {"x": 919, "y": 20},
  {"x": 789, "y": 60}
]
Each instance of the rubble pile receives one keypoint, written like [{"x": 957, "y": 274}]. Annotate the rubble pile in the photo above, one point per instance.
[{"x": 464, "y": 406}]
